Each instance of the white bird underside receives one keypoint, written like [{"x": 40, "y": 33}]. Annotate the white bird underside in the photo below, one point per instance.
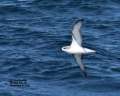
[{"x": 76, "y": 46}]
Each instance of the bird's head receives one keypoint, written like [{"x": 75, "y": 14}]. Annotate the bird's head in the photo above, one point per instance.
[{"x": 65, "y": 48}]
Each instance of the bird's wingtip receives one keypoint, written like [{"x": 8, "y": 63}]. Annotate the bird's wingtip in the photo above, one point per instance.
[
  {"x": 84, "y": 73},
  {"x": 79, "y": 20}
]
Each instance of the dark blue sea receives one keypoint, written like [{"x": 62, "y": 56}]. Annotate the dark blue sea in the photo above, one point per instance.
[{"x": 32, "y": 33}]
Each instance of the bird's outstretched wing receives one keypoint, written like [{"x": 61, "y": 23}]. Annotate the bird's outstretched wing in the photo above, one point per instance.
[
  {"x": 76, "y": 32},
  {"x": 78, "y": 61}
]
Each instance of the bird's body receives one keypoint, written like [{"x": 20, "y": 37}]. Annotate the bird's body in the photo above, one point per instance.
[{"x": 76, "y": 46}]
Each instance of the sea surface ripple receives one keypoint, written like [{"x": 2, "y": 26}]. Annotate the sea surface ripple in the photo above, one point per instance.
[{"x": 32, "y": 33}]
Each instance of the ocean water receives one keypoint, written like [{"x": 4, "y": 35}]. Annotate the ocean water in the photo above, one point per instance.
[{"x": 32, "y": 33}]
